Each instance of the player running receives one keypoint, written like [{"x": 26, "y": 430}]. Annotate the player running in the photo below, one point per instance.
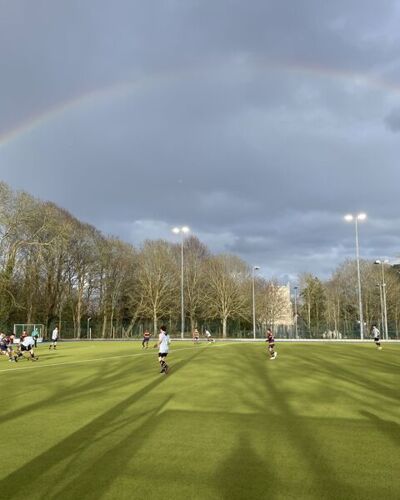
[
  {"x": 208, "y": 335},
  {"x": 146, "y": 338},
  {"x": 6, "y": 342},
  {"x": 271, "y": 344},
  {"x": 163, "y": 348},
  {"x": 54, "y": 338},
  {"x": 376, "y": 334},
  {"x": 27, "y": 344},
  {"x": 196, "y": 336}
]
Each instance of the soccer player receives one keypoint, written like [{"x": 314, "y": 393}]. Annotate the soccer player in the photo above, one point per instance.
[
  {"x": 35, "y": 335},
  {"x": 27, "y": 345},
  {"x": 54, "y": 338},
  {"x": 196, "y": 335},
  {"x": 6, "y": 349},
  {"x": 146, "y": 338},
  {"x": 163, "y": 348},
  {"x": 208, "y": 336},
  {"x": 271, "y": 344},
  {"x": 376, "y": 334}
]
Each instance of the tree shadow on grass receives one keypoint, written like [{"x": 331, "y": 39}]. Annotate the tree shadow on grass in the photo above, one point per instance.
[
  {"x": 388, "y": 427},
  {"x": 329, "y": 368},
  {"x": 244, "y": 475},
  {"x": 65, "y": 393},
  {"x": 79, "y": 442},
  {"x": 319, "y": 479}
]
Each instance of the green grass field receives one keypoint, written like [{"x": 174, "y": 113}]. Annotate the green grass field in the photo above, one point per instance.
[{"x": 98, "y": 421}]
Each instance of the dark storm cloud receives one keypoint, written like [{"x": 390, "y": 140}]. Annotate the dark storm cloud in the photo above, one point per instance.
[
  {"x": 392, "y": 120},
  {"x": 258, "y": 123}
]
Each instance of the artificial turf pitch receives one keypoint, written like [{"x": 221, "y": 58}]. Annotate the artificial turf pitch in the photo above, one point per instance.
[{"x": 98, "y": 421}]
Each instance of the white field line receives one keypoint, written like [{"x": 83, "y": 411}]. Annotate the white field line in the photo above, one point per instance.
[{"x": 32, "y": 367}]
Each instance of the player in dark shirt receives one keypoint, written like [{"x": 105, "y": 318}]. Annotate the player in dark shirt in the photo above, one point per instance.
[
  {"x": 6, "y": 342},
  {"x": 271, "y": 344},
  {"x": 146, "y": 338}
]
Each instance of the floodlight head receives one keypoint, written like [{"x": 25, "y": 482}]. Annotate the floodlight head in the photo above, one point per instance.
[
  {"x": 362, "y": 216},
  {"x": 348, "y": 217},
  {"x": 377, "y": 262},
  {"x": 176, "y": 230},
  {"x": 185, "y": 229}
]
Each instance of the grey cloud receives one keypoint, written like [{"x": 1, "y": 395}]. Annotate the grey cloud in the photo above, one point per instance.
[
  {"x": 392, "y": 120},
  {"x": 244, "y": 120}
]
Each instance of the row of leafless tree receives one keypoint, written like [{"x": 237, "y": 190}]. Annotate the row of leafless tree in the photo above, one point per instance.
[
  {"x": 55, "y": 269},
  {"x": 332, "y": 306}
]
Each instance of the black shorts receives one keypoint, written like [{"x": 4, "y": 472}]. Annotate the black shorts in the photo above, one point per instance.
[
  {"x": 26, "y": 348},
  {"x": 145, "y": 339},
  {"x": 377, "y": 339},
  {"x": 162, "y": 354}
]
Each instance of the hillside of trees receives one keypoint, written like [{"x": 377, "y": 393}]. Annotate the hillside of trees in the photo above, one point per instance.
[{"x": 57, "y": 270}]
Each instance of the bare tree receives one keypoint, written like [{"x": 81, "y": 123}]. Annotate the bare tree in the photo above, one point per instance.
[{"x": 226, "y": 279}]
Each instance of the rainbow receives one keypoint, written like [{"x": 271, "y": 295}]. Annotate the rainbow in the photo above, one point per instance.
[{"x": 123, "y": 88}]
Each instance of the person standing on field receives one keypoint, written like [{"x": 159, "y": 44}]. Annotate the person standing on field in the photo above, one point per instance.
[
  {"x": 54, "y": 338},
  {"x": 163, "y": 348},
  {"x": 146, "y": 338},
  {"x": 35, "y": 335},
  {"x": 196, "y": 335},
  {"x": 376, "y": 334},
  {"x": 271, "y": 344},
  {"x": 208, "y": 335}
]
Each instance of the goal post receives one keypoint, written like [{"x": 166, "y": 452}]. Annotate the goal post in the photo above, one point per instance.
[{"x": 29, "y": 328}]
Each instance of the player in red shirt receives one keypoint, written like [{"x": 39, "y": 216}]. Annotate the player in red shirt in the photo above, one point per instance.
[
  {"x": 271, "y": 344},
  {"x": 146, "y": 338}
]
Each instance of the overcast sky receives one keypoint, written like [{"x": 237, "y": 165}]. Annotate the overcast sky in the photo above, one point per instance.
[{"x": 257, "y": 123}]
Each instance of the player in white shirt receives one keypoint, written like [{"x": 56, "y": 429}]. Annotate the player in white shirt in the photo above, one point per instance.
[
  {"x": 163, "y": 348},
  {"x": 54, "y": 338},
  {"x": 376, "y": 334},
  {"x": 27, "y": 344},
  {"x": 209, "y": 337}
]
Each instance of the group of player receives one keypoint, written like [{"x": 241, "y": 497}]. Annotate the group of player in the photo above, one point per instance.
[
  {"x": 26, "y": 344},
  {"x": 207, "y": 334}
]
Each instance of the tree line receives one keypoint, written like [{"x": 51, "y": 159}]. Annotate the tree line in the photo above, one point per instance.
[{"x": 57, "y": 270}]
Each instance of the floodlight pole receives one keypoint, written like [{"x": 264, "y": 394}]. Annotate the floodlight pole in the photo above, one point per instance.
[
  {"x": 359, "y": 282},
  {"x": 356, "y": 218},
  {"x": 383, "y": 300},
  {"x": 182, "y": 231},
  {"x": 382, "y": 313},
  {"x": 89, "y": 332},
  {"x": 182, "y": 292},
  {"x": 295, "y": 312},
  {"x": 255, "y": 268}
]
